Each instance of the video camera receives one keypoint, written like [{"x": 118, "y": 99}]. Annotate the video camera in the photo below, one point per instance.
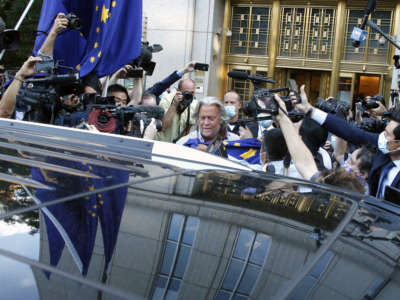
[
  {"x": 129, "y": 117},
  {"x": 334, "y": 106},
  {"x": 39, "y": 96},
  {"x": 144, "y": 59}
]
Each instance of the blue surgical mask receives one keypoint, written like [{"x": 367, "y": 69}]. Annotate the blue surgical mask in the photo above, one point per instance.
[
  {"x": 265, "y": 123},
  {"x": 382, "y": 143},
  {"x": 230, "y": 111}
]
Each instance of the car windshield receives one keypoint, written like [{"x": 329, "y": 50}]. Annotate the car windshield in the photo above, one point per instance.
[{"x": 96, "y": 216}]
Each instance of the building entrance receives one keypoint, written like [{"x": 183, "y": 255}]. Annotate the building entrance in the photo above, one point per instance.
[{"x": 314, "y": 81}]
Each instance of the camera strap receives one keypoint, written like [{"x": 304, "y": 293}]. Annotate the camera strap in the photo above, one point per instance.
[{"x": 187, "y": 126}]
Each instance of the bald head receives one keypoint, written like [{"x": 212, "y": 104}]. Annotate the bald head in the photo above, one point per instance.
[{"x": 187, "y": 85}]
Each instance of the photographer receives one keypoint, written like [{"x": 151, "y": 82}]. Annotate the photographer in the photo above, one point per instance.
[
  {"x": 8, "y": 101},
  {"x": 136, "y": 90},
  {"x": 386, "y": 163},
  {"x": 179, "y": 107},
  {"x": 119, "y": 93}
]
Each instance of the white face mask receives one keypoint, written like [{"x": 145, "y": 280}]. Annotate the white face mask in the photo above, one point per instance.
[
  {"x": 382, "y": 143},
  {"x": 265, "y": 123},
  {"x": 230, "y": 111}
]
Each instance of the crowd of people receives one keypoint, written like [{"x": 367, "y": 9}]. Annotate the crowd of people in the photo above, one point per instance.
[{"x": 358, "y": 150}]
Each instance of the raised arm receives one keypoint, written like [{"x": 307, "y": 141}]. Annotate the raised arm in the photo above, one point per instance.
[
  {"x": 60, "y": 23},
  {"x": 302, "y": 157},
  {"x": 9, "y": 99}
]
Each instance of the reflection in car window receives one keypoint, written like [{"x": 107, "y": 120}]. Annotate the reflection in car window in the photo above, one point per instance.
[
  {"x": 180, "y": 239},
  {"x": 245, "y": 265},
  {"x": 310, "y": 281}
]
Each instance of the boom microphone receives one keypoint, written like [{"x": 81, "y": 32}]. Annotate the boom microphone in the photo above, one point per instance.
[
  {"x": 370, "y": 8},
  {"x": 244, "y": 76}
]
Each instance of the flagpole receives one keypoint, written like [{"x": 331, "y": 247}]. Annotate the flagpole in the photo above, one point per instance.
[
  {"x": 105, "y": 87},
  {"x": 21, "y": 19}
]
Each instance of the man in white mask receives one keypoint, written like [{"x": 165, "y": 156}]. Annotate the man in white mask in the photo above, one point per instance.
[
  {"x": 385, "y": 170},
  {"x": 232, "y": 106}
]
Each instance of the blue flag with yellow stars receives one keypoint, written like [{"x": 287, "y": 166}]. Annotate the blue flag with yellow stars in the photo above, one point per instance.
[
  {"x": 246, "y": 151},
  {"x": 74, "y": 223},
  {"x": 110, "y": 36}
]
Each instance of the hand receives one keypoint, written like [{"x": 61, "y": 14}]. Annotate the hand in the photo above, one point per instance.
[
  {"x": 188, "y": 68},
  {"x": 202, "y": 147},
  {"x": 28, "y": 68},
  {"x": 304, "y": 106},
  {"x": 178, "y": 98},
  {"x": 151, "y": 130},
  {"x": 282, "y": 113},
  {"x": 121, "y": 73},
  {"x": 245, "y": 133},
  {"x": 377, "y": 112},
  {"x": 60, "y": 23}
]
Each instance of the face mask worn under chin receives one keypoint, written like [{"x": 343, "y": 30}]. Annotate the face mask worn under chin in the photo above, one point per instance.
[{"x": 230, "y": 111}]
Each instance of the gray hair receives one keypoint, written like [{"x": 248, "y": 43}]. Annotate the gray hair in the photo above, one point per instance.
[{"x": 207, "y": 101}]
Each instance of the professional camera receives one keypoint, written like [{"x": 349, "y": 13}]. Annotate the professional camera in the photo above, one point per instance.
[
  {"x": 253, "y": 109},
  {"x": 39, "y": 97},
  {"x": 334, "y": 106},
  {"x": 187, "y": 98},
  {"x": 88, "y": 100},
  {"x": 144, "y": 59},
  {"x": 9, "y": 38},
  {"x": 128, "y": 117},
  {"x": 74, "y": 22},
  {"x": 373, "y": 125}
]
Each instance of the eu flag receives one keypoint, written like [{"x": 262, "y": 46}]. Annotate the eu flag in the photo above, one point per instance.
[
  {"x": 110, "y": 36},
  {"x": 246, "y": 151},
  {"x": 74, "y": 223}
]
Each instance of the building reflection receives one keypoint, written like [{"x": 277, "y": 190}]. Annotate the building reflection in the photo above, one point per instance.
[{"x": 204, "y": 236}]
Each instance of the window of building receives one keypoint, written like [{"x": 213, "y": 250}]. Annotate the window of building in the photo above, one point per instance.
[
  {"x": 178, "y": 247},
  {"x": 292, "y": 31},
  {"x": 245, "y": 265},
  {"x": 250, "y": 30},
  {"x": 321, "y": 33},
  {"x": 310, "y": 281},
  {"x": 370, "y": 51}
]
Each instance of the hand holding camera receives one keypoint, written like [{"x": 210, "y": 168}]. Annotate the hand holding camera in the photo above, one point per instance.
[{"x": 60, "y": 22}]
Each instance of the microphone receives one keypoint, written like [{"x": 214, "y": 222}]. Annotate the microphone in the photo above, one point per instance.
[
  {"x": 370, "y": 8},
  {"x": 244, "y": 76}
]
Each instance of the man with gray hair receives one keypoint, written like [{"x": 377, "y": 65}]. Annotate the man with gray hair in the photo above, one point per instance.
[{"x": 211, "y": 131}]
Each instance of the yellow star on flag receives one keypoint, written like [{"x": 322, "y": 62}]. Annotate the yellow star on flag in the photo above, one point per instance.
[
  {"x": 104, "y": 14},
  {"x": 249, "y": 154}
]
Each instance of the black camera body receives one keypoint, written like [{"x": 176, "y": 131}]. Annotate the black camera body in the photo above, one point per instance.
[
  {"x": 333, "y": 105},
  {"x": 252, "y": 109},
  {"x": 39, "y": 97},
  {"x": 144, "y": 59},
  {"x": 88, "y": 100},
  {"x": 135, "y": 114},
  {"x": 187, "y": 98},
  {"x": 373, "y": 125},
  {"x": 370, "y": 104},
  {"x": 73, "y": 22}
]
